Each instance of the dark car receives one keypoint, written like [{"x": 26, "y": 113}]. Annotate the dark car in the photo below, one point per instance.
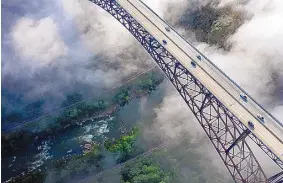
[
  {"x": 251, "y": 125},
  {"x": 164, "y": 42},
  {"x": 244, "y": 97},
  {"x": 199, "y": 57},
  {"x": 260, "y": 117},
  {"x": 167, "y": 29},
  {"x": 193, "y": 63}
]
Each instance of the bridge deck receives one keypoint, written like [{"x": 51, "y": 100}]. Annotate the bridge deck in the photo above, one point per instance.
[{"x": 226, "y": 91}]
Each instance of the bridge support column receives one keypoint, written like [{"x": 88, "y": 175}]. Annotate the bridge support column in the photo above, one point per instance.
[{"x": 240, "y": 138}]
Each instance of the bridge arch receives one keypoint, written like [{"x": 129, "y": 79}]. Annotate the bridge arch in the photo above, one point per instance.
[{"x": 220, "y": 125}]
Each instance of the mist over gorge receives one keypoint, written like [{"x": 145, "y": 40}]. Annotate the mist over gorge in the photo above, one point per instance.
[
  {"x": 80, "y": 53},
  {"x": 55, "y": 53}
]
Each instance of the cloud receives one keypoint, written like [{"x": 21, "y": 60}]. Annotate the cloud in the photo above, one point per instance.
[
  {"x": 38, "y": 41},
  {"x": 96, "y": 27},
  {"x": 255, "y": 57},
  {"x": 162, "y": 7},
  {"x": 65, "y": 47},
  {"x": 277, "y": 111},
  {"x": 172, "y": 118}
]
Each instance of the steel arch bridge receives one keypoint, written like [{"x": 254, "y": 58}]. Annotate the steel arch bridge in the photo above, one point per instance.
[{"x": 222, "y": 108}]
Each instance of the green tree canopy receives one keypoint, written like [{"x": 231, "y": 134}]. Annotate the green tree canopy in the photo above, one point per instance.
[
  {"x": 122, "y": 97},
  {"x": 124, "y": 144},
  {"x": 145, "y": 171}
]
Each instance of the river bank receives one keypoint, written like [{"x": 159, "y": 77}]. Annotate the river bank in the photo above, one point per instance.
[{"x": 19, "y": 145}]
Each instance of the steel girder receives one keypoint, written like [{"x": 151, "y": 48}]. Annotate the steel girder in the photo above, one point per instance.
[
  {"x": 220, "y": 125},
  {"x": 278, "y": 178}
]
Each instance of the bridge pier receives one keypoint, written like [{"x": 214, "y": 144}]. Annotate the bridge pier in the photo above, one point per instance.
[{"x": 241, "y": 137}]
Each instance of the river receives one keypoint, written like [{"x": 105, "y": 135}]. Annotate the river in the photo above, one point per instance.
[
  {"x": 71, "y": 141},
  {"x": 139, "y": 112}
]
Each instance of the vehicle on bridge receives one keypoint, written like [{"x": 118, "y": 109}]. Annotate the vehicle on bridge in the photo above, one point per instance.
[
  {"x": 167, "y": 28},
  {"x": 260, "y": 117},
  {"x": 193, "y": 63},
  {"x": 199, "y": 57},
  {"x": 244, "y": 97},
  {"x": 164, "y": 41},
  {"x": 251, "y": 125}
]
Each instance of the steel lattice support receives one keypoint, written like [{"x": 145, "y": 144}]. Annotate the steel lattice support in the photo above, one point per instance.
[
  {"x": 278, "y": 178},
  {"x": 220, "y": 125},
  {"x": 263, "y": 147}
]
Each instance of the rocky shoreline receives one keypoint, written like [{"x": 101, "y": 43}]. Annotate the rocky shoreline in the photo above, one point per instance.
[{"x": 79, "y": 116}]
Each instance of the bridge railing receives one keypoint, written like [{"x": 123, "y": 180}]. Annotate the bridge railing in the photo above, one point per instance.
[{"x": 217, "y": 68}]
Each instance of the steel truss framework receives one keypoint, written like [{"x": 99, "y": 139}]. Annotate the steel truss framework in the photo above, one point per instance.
[{"x": 220, "y": 125}]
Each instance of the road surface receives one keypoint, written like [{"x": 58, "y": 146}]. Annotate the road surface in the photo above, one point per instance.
[{"x": 224, "y": 89}]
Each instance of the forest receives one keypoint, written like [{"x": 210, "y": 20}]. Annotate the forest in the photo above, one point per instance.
[{"x": 123, "y": 147}]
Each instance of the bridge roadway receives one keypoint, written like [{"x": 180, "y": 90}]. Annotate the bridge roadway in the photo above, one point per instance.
[{"x": 223, "y": 88}]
